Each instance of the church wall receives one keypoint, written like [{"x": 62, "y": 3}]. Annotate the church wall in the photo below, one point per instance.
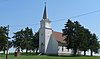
[
  {"x": 52, "y": 46},
  {"x": 41, "y": 40},
  {"x": 48, "y": 33}
]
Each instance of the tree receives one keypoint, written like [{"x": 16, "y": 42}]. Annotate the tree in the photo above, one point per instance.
[
  {"x": 3, "y": 38},
  {"x": 23, "y": 39},
  {"x": 69, "y": 34},
  {"x": 35, "y": 41},
  {"x": 94, "y": 44},
  {"x": 18, "y": 40},
  {"x": 79, "y": 38},
  {"x": 28, "y": 36},
  {"x": 85, "y": 37}
]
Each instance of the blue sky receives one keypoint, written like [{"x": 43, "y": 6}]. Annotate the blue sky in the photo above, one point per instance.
[{"x": 22, "y": 13}]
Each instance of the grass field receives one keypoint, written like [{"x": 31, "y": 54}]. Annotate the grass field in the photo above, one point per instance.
[{"x": 47, "y": 57}]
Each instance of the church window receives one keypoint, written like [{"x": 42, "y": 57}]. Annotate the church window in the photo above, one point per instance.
[
  {"x": 42, "y": 44},
  {"x": 68, "y": 50},
  {"x": 62, "y": 48},
  {"x": 41, "y": 34}
]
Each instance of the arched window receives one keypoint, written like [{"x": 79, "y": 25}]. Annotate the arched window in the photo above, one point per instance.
[
  {"x": 62, "y": 48},
  {"x": 42, "y": 44}
]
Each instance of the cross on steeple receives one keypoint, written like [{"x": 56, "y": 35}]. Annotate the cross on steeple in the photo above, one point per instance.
[{"x": 45, "y": 3}]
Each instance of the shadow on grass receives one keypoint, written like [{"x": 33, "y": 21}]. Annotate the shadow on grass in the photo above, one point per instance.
[
  {"x": 2, "y": 55},
  {"x": 29, "y": 54},
  {"x": 26, "y": 54}
]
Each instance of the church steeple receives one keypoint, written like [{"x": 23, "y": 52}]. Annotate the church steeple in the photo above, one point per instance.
[
  {"x": 45, "y": 22},
  {"x": 45, "y": 15},
  {"x": 45, "y": 32}
]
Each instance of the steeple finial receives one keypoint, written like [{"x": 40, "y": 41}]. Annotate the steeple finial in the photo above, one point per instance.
[
  {"x": 45, "y": 15},
  {"x": 45, "y": 3}
]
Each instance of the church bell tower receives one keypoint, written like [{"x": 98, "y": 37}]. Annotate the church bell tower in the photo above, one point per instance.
[{"x": 45, "y": 32}]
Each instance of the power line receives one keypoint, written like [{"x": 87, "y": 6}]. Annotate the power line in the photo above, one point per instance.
[
  {"x": 86, "y": 14},
  {"x": 77, "y": 15},
  {"x": 24, "y": 25},
  {"x": 60, "y": 19}
]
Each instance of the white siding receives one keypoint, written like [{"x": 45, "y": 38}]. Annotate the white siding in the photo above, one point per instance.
[
  {"x": 52, "y": 46},
  {"x": 64, "y": 51},
  {"x": 48, "y": 33},
  {"x": 41, "y": 40}
]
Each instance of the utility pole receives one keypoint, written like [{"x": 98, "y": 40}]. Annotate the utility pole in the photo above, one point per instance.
[{"x": 7, "y": 42}]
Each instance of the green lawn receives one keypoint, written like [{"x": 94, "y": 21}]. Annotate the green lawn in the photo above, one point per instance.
[{"x": 47, "y": 57}]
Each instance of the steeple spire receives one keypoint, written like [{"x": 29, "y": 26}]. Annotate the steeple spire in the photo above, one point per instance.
[{"x": 45, "y": 15}]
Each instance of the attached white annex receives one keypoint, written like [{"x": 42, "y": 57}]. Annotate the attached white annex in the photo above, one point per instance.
[{"x": 51, "y": 42}]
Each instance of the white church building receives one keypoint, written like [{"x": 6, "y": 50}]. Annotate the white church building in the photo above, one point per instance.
[{"x": 50, "y": 41}]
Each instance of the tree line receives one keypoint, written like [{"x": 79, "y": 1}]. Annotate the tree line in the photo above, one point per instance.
[
  {"x": 79, "y": 38},
  {"x": 24, "y": 39}
]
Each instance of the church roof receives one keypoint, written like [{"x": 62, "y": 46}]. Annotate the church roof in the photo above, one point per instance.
[{"x": 58, "y": 36}]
